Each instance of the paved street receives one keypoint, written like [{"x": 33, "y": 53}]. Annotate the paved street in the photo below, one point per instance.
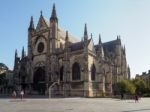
[{"x": 74, "y": 105}]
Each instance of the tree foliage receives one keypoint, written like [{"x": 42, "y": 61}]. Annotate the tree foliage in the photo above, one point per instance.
[
  {"x": 135, "y": 86},
  {"x": 141, "y": 86},
  {"x": 2, "y": 78},
  {"x": 126, "y": 86}
]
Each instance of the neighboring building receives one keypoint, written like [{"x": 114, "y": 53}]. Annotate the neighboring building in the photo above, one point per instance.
[
  {"x": 80, "y": 67},
  {"x": 145, "y": 76},
  {"x": 3, "y": 68}
]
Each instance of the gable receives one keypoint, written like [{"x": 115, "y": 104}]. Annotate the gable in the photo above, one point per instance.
[
  {"x": 42, "y": 24},
  {"x": 91, "y": 46}
]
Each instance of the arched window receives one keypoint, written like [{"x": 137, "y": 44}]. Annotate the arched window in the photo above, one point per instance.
[
  {"x": 61, "y": 73},
  {"x": 93, "y": 72},
  {"x": 75, "y": 71}
]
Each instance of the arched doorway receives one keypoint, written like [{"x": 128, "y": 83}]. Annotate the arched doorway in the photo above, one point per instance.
[{"x": 39, "y": 80}]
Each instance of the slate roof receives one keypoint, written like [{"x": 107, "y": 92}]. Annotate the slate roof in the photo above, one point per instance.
[
  {"x": 78, "y": 45},
  {"x": 110, "y": 46},
  {"x": 73, "y": 47},
  {"x": 71, "y": 38}
]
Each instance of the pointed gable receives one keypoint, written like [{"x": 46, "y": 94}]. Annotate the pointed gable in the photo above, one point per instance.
[
  {"x": 42, "y": 24},
  {"x": 91, "y": 45}
]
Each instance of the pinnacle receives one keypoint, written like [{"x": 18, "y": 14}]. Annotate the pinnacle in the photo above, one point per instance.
[
  {"x": 85, "y": 29},
  {"x": 100, "y": 39},
  {"x": 16, "y": 54},
  {"x": 66, "y": 35},
  {"x": 53, "y": 15},
  {"x": 85, "y": 33},
  {"x": 23, "y": 53},
  {"x": 31, "y": 26}
]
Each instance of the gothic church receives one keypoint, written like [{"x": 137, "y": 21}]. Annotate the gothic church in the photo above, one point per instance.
[{"x": 60, "y": 65}]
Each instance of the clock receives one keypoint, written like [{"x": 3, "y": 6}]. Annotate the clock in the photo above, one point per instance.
[{"x": 40, "y": 47}]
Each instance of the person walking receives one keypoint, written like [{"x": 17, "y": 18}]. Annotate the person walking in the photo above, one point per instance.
[
  {"x": 14, "y": 95},
  {"x": 122, "y": 96},
  {"x": 22, "y": 94},
  {"x": 136, "y": 98}
]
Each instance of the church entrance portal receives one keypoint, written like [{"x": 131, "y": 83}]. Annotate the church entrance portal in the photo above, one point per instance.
[{"x": 39, "y": 80}]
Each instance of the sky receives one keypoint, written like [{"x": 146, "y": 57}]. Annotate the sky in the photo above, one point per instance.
[{"x": 128, "y": 18}]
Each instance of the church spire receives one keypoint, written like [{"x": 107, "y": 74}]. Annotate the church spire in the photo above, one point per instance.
[
  {"x": 41, "y": 13},
  {"x": 16, "y": 54},
  {"x": 31, "y": 26},
  {"x": 66, "y": 40},
  {"x": 16, "y": 60},
  {"x": 85, "y": 33},
  {"x": 100, "y": 42},
  {"x": 66, "y": 35},
  {"x": 118, "y": 39},
  {"x": 23, "y": 53},
  {"x": 124, "y": 50},
  {"x": 53, "y": 14},
  {"x": 100, "y": 50}
]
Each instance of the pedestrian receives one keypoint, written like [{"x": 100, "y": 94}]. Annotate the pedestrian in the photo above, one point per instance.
[
  {"x": 22, "y": 94},
  {"x": 122, "y": 96},
  {"x": 14, "y": 95},
  {"x": 136, "y": 98}
]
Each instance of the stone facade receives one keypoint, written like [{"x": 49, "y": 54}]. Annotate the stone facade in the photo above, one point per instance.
[{"x": 59, "y": 64}]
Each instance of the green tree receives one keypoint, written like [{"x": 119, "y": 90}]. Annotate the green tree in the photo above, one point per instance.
[
  {"x": 141, "y": 86},
  {"x": 2, "y": 78},
  {"x": 126, "y": 86}
]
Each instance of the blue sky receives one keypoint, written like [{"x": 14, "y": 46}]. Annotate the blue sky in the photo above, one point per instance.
[{"x": 128, "y": 18}]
